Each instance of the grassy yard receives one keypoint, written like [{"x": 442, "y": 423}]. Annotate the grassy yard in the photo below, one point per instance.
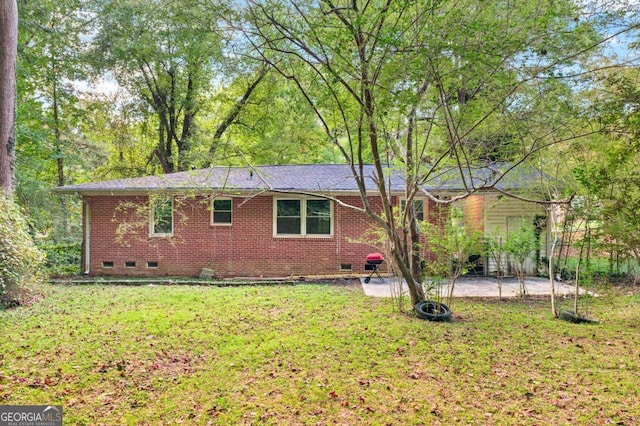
[{"x": 315, "y": 354}]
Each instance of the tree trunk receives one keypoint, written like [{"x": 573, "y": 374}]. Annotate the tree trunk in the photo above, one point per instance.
[
  {"x": 635, "y": 274},
  {"x": 551, "y": 258},
  {"x": 416, "y": 291},
  {"x": 56, "y": 130},
  {"x": 235, "y": 111},
  {"x": 59, "y": 150},
  {"x": 164, "y": 149},
  {"x": 577, "y": 283},
  {"x": 187, "y": 120},
  {"x": 8, "y": 53},
  {"x": 413, "y": 250}
]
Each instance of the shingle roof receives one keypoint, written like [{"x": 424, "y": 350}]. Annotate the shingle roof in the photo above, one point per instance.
[
  {"x": 304, "y": 178},
  {"x": 310, "y": 177}
]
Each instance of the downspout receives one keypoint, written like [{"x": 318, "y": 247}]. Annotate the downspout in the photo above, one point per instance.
[
  {"x": 87, "y": 236},
  {"x": 487, "y": 259}
]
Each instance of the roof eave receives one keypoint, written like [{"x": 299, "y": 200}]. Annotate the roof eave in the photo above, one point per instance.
[{"x": 197, "y": 191}]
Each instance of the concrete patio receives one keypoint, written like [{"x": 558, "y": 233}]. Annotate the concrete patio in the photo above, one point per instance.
[{"x": 472, "y": 287}]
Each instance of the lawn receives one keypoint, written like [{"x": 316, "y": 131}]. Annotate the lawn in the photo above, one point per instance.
[{"x": 315, "y": 354}]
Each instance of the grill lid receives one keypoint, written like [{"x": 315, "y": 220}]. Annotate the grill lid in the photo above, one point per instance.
[{"x": 375, "y": 258}]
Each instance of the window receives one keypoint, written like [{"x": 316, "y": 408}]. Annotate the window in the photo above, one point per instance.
[
  {"x": 129, "y": 264},
  {"x": 418, "y": 206},
  {"x": 221, "y": 211},
  {"x": 303, "y": 217},
  {"x": 162, "y": 218},
  {"x": 318, "y": 217},
  {"x": 107, "y": 264},
  {"x": 289, "y": 217},
  {"x": 152, "y": 264}
]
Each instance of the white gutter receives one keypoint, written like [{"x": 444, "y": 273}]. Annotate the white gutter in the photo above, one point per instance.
[{"x": 87, "y": 237}]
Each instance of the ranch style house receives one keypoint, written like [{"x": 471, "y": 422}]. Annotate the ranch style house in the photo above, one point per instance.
[{"x": 264, "y": 221}]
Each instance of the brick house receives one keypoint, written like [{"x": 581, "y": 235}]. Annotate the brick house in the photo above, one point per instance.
[{"x": 268, "y": 221}]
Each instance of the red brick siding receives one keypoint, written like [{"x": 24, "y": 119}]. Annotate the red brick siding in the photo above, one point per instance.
[
  {"x": 437, "y": 214},
  {"x": 246, "y": 248}
]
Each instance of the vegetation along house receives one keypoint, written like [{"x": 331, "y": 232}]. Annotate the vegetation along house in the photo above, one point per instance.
[{"x": 269, "y": 221}]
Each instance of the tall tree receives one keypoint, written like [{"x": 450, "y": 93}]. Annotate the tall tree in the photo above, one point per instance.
[
  {"x": 8, "y": 53},
  {"x": 119, "y": 131},
  {"x": 275, "y": 126},
  {"x": 159, "y": 52},
  {"x": 49, "y": 146},
  {"x": 168, "y": 54},
  {"x": 607, "y": 169},
  {"x": 415, "y": 85}
]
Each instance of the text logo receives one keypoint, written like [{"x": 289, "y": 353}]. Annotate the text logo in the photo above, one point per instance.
[{"x": 30, "y": 415}]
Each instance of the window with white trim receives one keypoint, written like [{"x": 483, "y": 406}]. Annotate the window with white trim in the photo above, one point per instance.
[
  {"x": 221, "y": 211},
  {"x": 161, "y": 220},
  {"x": 418, "y": 206},
  {"x": 303, "y": 216}
]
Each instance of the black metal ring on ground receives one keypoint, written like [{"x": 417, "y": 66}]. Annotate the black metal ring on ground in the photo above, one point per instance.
[{"x": 432, "y": 311}]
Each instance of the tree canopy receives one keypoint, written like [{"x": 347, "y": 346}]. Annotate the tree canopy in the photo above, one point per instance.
[{"x": 431, "y": 85}]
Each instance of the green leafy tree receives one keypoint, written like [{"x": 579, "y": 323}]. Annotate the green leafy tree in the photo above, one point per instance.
[
  {"x": 413, "y": 86},
  {"x": 276, "y": 127},
  {"x": 50, "y": 59},
  {"x": 119, "y": 137},
  {"x": 609, "y": 167},
  {"x": 168, "y": 55},
  {"x": 449, "y": 248},
  {"x": 20, "y": 261},
  {"x": 49, "y": 146},
  {"x": 520, "y": 245},
  {"x": 495, "y": 251}
]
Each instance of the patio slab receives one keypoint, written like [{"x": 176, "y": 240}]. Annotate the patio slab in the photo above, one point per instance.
[{"x": 472, "y": 287}]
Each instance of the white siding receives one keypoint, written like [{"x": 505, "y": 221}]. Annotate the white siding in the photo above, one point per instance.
[{"x": 498, "y": 210}]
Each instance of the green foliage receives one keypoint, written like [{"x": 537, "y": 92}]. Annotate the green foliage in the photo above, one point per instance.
[
  {"x": 118, "y": 139},
  {"x": 62, "y": 259},
  {"x": 449, "y": 247},
  {"x": 276, "y": 126},
  {"x": 520, "y": 245},
  {"x": 52, "y": 148},
  {"x": 166, "y": 58},
  {"x": 20, "y": 260},
  {"x": 606, "y": 169},
  {"x": 424, "y": 86},
  {"x": 51, "y": 42},
  {"x": 493, "y": 247}
]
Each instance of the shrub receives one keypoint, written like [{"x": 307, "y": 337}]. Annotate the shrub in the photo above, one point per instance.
[
  {"x": 521, "y": 245},
  {"x": 20, "y": 260},
  {"x": 62, "y": 259}
]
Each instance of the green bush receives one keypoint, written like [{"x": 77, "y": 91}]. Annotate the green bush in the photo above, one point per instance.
[
  {"x": 20, "y": 260},
  {"x": 62, "y": 259}
]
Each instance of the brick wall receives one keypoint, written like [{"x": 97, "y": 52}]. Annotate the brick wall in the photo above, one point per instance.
[{"x": 120, "y": 243}]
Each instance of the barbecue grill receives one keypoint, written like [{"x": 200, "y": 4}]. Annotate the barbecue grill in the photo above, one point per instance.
[{"x": 373, "y": 261}]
